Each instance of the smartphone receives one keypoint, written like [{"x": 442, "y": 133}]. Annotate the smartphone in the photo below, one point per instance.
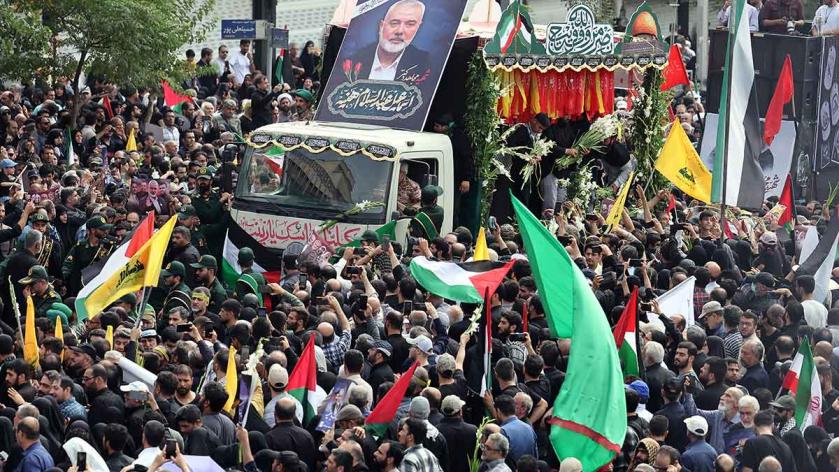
[
  {"x": 516, "y": 337},
  {"x": 184, "y": 328},
  {"x": 81, "y": 460},
  {"x": 208, "y": 331},
  {"x": 262, "y": 311},
  {"x": 591, "y": 217},
  {"x": 386, "y": 243},
  {"x": 171, "y": 447},
  {"x": 361, "y": 303},
  {"x": 359, "y": 251},
  {"x": 407, "y": 308},
  {"x": 491, "y": 223},
  {"x": 354, "y": 270},
  {"x": 564, "y": 240},
  {"x": 322, "y": 301}
]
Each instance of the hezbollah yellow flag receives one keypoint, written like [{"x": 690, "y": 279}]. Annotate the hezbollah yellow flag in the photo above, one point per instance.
[
  {"x": 481, "y": 251},
  {"x": 131, "y": 145},
  {"x": 142, "y": 270},
  {"x": 679, "y": 162},
  {"x": 109, "y": 336},
  {"x": 231, "y": 380},
  {"x": 616, "y": 212},
  {"x": 30, "y": 340},
  {"x": 59, "y": 333}
]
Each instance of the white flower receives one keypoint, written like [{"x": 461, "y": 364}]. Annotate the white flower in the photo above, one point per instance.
[{"x": 647, "y": 140}]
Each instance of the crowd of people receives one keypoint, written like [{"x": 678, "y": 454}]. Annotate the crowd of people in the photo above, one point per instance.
[{"x": 709, "y": 396}]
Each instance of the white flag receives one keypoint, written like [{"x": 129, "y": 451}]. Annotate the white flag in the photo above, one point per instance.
[{"x": 679, "y": 301}]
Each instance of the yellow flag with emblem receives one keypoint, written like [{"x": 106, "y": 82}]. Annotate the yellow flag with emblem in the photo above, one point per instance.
[
  {"x": 142, "y": 270},
  {"x": 131, "y": 144},
  {"x": 616, "y": 212},
  {"x": 59, "y": 333},
  {"x": 30, "y": 340},
  {"x": 481, "y": 250},
  {"x": 231, "y": 380},
  {"x": 679, "y": 162}
]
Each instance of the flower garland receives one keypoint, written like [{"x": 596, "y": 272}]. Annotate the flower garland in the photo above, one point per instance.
[{"x": 646, "y": 129}]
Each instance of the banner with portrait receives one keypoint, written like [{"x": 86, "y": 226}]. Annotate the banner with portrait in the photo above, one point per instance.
[{"x": 390, "y": 62}]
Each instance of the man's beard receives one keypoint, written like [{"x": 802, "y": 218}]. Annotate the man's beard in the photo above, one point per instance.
[
  {"x": 183, "y": 391},
  {"x": 392, "y": 48}
]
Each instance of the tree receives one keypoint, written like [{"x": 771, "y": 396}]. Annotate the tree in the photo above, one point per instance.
[
  {"x": 24, "y": 43},
  {"x": 132, "y": 42}
]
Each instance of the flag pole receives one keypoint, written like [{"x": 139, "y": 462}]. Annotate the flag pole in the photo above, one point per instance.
[
  {"x": 142, "y": 309},
  {"x": 641, "y": 371},
  {"x": 732, "y": 37}
]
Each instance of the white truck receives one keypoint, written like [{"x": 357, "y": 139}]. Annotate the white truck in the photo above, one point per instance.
[{"x": 295, "y": 176}]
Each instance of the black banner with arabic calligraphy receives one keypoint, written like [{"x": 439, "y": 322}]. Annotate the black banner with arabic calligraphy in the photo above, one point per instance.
[{"x": 390, "y": 63}]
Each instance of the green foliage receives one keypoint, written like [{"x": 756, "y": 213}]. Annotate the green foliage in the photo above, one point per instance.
[
  {"x": 649, "y": 120},
  {"x": 482, "y": 120},
  {"x": 24, "y": 43},
  {"x": 132, "y": 42}
]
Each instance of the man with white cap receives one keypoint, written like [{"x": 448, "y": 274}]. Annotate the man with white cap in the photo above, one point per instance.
[
  {"x": 699, "y": 456},
  {"x": 460, "y": 435},
  {"x": 277, "y": 381},
  {"x": 422, "y": 351}
]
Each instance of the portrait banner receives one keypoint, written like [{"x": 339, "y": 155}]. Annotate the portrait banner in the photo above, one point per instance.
[{"x": 390, "y": 62}]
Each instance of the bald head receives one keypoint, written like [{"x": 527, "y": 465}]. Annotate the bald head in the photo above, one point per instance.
[
  {"x": 823, "y": 349},
  {"x": 714, "y": 269},
  {"x": 326, "y": 330},
  {"x": 285, "y": 409}
]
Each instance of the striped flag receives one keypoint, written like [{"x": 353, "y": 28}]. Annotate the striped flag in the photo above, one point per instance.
[
  {"x": 739, "y": 141},
  {"x": 818, "y": 255},
  {"x": 626, "y": 336},
  {"x": 302, "y": 383},
  {"x": 384, "y": 412},
  {"x": 802, "y": 381},
  {"x": 515, "y": 30},
  {"x": 463, "y": 282}
]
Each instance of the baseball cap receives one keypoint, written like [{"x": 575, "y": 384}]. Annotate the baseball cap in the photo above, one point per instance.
[
  {"x": 451, "y": 405},
  {"x": 384, "y": 347},
  {"x": 419, "y": 408},
  {"x": 697, "y": 425},
  {"x": 136, "y": 386},
  {"x": 765, "y": 278},
  {"x": 769, "y": 238},
  {"x": 86, "y": 349},
  {"x": 148, "y": 333},
  {"x": 710, "y": 307},
  {"x": 38, "y": 216},
  {"x": 445, "y": 363},
  {"x": 187, "y": 211},
  {"x": 230, "y": 103},
  {"x": 642, "y": 389},
  {"x": 173, "y": 268},
  {"x": 430, "y": 192},
  {"x": 278, "y": 376},
  {"x": 784, "y": 402},
  {"x": 206, "y": 262},
  {"x": 204, "y": 173},
  {"x": 7, "y": 163},
  {"x": 98, "y": 222},
  {"x": 35, "y": 274},
  {"x": 422, "y": 343},
  {"x": 370, "y": 235}
]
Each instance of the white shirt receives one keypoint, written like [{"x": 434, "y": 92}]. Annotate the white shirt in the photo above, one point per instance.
[
  {"x": 219, "y": 62},
  {"x": 752, "y": 14},
  {"x": 814, "y": 313},
  {"x": 171, "y": 134},
  {"x": 826, "y": 20},
  {"x": 240, "y": 65},
  {"x": 380, "y": 72}
]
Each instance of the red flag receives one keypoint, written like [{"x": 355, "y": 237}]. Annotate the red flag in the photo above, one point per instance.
[
  {"x": 142, "y": 234},
  {"x": 671, "y": 203},
  {"x": 381, "y": 416},
  {"x": 786, "y": 198},
  {"x": 170, "y": 97},
  {"x": 106, "y": 102},
  {"x": 674, "y": 72},
  {"x": 783, "y": 95}
]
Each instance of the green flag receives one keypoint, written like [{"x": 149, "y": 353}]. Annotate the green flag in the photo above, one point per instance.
[{"x": 590, "y": 411}]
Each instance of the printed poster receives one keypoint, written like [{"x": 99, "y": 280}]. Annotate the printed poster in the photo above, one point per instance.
[{"x": 390, "y": 62}]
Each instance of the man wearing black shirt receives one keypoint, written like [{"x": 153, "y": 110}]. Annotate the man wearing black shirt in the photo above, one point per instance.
[
  {"x": 393, "y": 330},
  {"x": 378, "y": 355},
  {"x": 766, "y": 444},
  {"x": 712, "y": 375}
]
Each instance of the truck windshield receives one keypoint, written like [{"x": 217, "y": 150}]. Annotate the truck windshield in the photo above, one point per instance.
[{"x": 314, "y": 181}]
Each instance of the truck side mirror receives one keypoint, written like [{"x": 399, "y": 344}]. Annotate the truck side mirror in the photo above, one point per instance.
[{"x": 431, "y": 179}]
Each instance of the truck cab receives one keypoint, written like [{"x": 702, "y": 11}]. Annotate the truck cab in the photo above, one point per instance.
[{"x": 296, "y": 176}]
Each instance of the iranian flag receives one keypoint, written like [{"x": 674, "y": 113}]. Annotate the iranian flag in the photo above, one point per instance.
[
  {"x": 303, "y": 385},
  {"x": 274, "y": 159},
  {"x": 626, "y": 336},
  {"x": 514, "y": 29},
  {"x": 384, "y": 412},
  {"x": 802, "y": 381},
  {"x": 456, "y": 281}
]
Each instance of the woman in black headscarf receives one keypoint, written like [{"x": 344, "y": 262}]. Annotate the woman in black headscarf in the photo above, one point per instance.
[
  {"x": 52, "y": 425},
  {"x": 715, "y": 347},
  {"x": 310, "y": 61},
  {"x": 800, "y": 451},
  {"x": 66, "y": 230}
]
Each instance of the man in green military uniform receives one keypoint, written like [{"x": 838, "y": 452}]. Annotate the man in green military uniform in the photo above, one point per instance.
[
  {"x": 245, "y": 259},
  {"x": 428, "y": 222},
  {"x": 212, "y": 209},
  {"x": 179, "y": 293},
  {"x": 205, "y": 276},
  {"x": 188, "y": 217},
  {"x": 37, "y": 284},
  {"x": 85, "y": 252}
]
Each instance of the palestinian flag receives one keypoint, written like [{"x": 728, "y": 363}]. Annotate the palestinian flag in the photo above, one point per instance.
[
  {"x": 173, "y": 99},
  {"x": 802, "y": 381},
  {"x": 626, "y": 337},
  {"x": 382, "y": 415},
  {"x": 274, "y": 159},
  {"x": 462, "y": 282},
  {"x": 278, "y": 67},
  {"x": 739, "y": 141},
  {"x": 787, "y": 217},
  {"x": 818, "y": 255},
  {"x": 589, "y": 414},
  {"x": 106, "y": 103},
  {"x": 267, "y": 261},
  {"x": 302, "y": 383}
]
